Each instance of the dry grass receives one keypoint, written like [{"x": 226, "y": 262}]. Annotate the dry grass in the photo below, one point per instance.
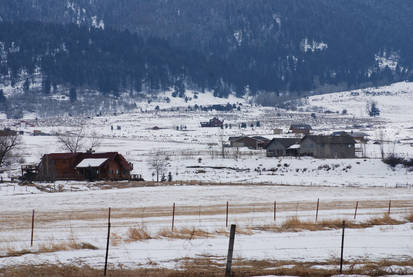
[
  {"x": 184, "y": 233},
  {"x": 50, "y": 248},
  {"x": 409, "y": 217},
  {"x": 385, "y": 220},
  {"x": 210, "y": 266},
  {"x": 137, "y": 234},
  {"x": 15, "y": 253},
  {"x": 141, "y": 233},
  {"x": 294, "y": 224},
  {"x": 115, "y": 239}
]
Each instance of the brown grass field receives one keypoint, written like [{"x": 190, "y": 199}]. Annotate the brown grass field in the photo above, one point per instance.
[{"x": 212, "y": 266}]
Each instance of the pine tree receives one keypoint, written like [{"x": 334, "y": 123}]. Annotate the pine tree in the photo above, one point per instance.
[
  {"x": 26, "y": 86},
  {"x": 2, "y": 97},
  {"x": 73, "y": 95},
  {"x": 46, "y": 85}
]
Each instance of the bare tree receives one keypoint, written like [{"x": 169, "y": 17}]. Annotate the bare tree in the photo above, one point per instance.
[
  {"x": 222, "y": 143},
  {"x": 381, "y": 137},
  {"x": 8, "y": 143},
  {"x": 79, "y": 140},
  {"x": 363, "y": 148},
  {"x": 159, "y": 162},
  {"x": 72, "y": 142},
  {"x": 94, "y": 141}
]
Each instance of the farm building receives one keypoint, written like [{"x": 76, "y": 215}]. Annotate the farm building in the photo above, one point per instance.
[
  {"x": 359, "y": 137},
  {"x": 256, "y": 142},
  {"x": 300, "y": 128},
  {"x": 328, "y": 146},
  {"x": 84, "y": 166},
  {"x": 282, "y": 147},
  {"x": 214, "y": 122}
]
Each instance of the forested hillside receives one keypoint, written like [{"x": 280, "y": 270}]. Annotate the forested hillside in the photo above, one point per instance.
[
  {"x": 229, "y": 46},
  {"x": 105, "y": 60}
]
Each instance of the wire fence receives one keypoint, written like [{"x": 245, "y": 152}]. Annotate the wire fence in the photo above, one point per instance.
[{"x": 185, "y": 230}]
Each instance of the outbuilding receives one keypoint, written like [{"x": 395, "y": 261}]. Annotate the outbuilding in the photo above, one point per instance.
[
  {"x": 280, "y": 147},
  {"x": 328, "y": 146}
]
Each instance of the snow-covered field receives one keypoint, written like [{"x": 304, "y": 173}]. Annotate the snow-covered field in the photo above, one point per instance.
[
  {"x": 179, "y": 136},
  {"x": 195, "y": 155},
  {"x": 394, "y": 102},
  {"x": 81, "y": 216}
]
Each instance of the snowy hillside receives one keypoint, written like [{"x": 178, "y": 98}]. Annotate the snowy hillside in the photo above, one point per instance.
[{"x": 395, "y": 101}]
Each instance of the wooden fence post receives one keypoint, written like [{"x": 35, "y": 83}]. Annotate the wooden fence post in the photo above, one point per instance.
[
  {"x": 389, "y": 207},
  {"x": 226, "y": 217},
  {"x": 342, "y": 248},
  {"x": 316, "y": 213},
  {"x": 355, "y": 210},
  {"x": 173, "y": 217},
  {"x": 31, "y": 240},
  {"x": 107, "y": 246},
  {"x": 230, "y": 251},
  {"x": 275, "y": 210}
]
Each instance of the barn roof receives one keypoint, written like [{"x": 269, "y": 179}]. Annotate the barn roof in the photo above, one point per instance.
[
  {"x": 61, "y": 156},
  {"x": 257, "y": 138},
  {"x": 286, "y": 142},
  {"x": 353, "y": 134},
  {"x": 330, "y": 139},
  {"x": 263, "y": 139}
]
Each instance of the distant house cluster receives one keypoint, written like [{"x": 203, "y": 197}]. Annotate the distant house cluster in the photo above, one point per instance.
[
  {"x": 214, "y": 122},
  {"x": 337, "y": 145},
  {"x": 300, "y": 128}
]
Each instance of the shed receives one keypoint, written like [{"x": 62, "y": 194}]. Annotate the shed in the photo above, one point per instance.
[
  {"x": 278, "y": 146},
  {"x": 256, "y": 142},
  {"x": 328, "y": 146}
]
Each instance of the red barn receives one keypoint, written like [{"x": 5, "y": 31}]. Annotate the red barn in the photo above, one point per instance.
[{"x": 84, "y": 166}]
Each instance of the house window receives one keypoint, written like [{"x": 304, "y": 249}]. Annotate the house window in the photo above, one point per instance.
[{"x": 117, "y": 172}]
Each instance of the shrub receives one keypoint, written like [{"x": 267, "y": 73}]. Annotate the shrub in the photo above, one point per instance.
[{"x": 393, "y": 161}]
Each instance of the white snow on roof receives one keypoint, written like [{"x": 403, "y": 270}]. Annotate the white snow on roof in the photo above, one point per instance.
[
  {"x": 294, "y": 146},
  {"x": 92, "y": 162}
]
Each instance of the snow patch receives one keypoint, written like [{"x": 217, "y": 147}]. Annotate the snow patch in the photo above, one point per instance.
[
  {"x": 306, "y": 45},
  {"x": 98, "y": 24},
  {"x": 238, "y": 37},
  {"x": 387, "y": 60}
]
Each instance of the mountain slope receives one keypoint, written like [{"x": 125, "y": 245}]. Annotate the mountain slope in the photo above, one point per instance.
[{"x": 257, "y": 46}]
